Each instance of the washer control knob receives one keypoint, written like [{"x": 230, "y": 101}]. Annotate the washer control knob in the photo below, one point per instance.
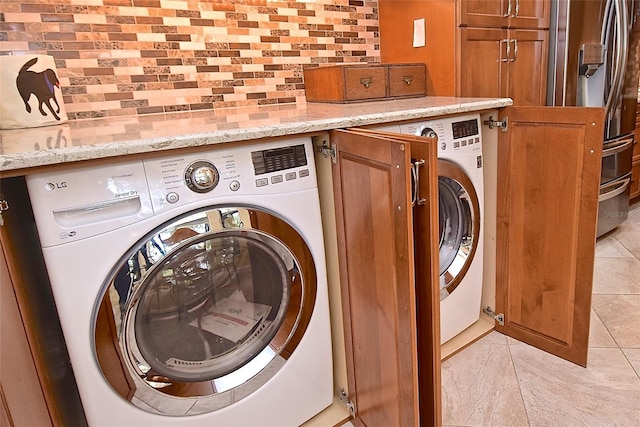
[
  {"x": 173, "y": 197},
  {"x": 201, "y": 176},
  {"x": 234, "y": 186},
  {"x": 429, "y": 133}
]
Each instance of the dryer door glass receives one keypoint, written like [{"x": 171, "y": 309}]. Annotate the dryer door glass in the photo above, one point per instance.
[
  {"x": 212, "y": 301},
  {"x": 458, "y": 225}
]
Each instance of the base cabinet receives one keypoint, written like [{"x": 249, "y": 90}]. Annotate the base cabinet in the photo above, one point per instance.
[
  {"x": 23, "y": 401},
  {"x": 391, "y": 340},
  {"x": 548, "y": 161}
]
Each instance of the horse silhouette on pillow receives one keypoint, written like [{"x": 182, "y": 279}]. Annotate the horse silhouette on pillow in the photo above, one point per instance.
[{"x": 41, "y": 84}]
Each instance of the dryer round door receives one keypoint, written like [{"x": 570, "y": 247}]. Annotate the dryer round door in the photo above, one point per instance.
[
  {"x": 207, "y": 307},
  {"x": 459, "y": 225}
]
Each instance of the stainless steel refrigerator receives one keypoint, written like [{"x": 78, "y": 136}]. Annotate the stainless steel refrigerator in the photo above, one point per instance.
[{"x": 594, "y": 62}]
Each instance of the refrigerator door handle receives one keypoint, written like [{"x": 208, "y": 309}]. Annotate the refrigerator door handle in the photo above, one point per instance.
[{"x": 621, "y": 40}]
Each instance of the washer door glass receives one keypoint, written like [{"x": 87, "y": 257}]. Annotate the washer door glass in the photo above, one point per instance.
[
  {"x": 213, "y": 301},
  {"x": 459, "y": 225},
  {"x": 199, "y": 313}
]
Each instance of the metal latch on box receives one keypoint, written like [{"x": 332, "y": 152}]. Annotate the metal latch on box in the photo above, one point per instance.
[
  {"x": 502, "y": 124},
  {"x": 344, "y": 398},
  {"x": 499, "y": 317}
]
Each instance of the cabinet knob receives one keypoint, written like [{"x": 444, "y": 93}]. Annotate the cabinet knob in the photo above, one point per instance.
[{"x": 407, "y": 80}]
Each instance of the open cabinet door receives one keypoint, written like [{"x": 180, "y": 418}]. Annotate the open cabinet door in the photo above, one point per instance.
[
  {"x": 549, "y": 161},
  {"x": 372, "y": 187}
]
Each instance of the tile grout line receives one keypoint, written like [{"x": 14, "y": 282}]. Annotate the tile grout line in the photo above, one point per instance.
[{"x": 515, "y": 370}]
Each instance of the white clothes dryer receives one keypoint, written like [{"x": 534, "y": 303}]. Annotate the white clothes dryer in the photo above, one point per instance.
[
  {"x": 191, "y": 288},
  {"x": 461, "y": 202}
]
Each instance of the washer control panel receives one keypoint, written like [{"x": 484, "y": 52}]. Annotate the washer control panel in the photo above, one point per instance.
[
  {"x": 460, "y": 134},
  {"x": 267, "y": 168}
]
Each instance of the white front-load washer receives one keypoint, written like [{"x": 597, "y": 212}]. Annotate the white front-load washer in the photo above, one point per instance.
[
  {"x": 461, "y": 201},
  {"x": 191, "y": 288}
]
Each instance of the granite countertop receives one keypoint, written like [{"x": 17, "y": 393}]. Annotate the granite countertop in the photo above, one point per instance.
[{"x": 23, "y": 149}]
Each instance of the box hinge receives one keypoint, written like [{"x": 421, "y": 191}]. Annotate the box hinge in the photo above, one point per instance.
[
  {"x": 502, "y": 124},
  {"x": 344, "y": 398},
  {"x": 499, "y": 317},
  {"x": 328, "y": 152}
]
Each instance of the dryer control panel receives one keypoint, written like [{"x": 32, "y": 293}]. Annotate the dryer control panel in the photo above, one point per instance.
[{"x": 460, "y": 134}]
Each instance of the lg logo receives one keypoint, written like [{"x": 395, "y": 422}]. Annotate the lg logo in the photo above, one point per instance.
[{"x": 50, "y": 186}]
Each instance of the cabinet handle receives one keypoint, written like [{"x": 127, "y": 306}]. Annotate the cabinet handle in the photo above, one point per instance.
[
  {"x": 506, "y": 15},
  {"x": 515, "y": 50},
  {"x": 508, "y": 43},
  {"x": 407, "y": 80},
  {"x": 366, "y": 81},
  {"x": 415, "y": 174},
  {"x": 517, "y": 8}
]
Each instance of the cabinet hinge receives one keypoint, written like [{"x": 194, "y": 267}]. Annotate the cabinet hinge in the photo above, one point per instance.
[
  {"x": 344, "y": 398},
  {"x": 327, "y": 151},
  {"x": 499, "y": 317},
  {"x": 502, "y": 124},
  {"x": 4, "y": 206}
]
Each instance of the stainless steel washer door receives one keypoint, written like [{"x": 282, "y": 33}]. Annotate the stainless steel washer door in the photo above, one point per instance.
[
  {"x": 459, "y": 225},
  {"x": 207, "y": 307}
]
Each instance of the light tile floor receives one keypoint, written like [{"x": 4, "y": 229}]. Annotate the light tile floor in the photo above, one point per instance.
[{"x": 499, "y": 381}]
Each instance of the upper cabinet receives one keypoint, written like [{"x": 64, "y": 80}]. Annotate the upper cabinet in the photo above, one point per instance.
[
  {"x": 503, "y": 63},
  {"x": 533, "y": 14},
  {"x": 491, "y": 48}
]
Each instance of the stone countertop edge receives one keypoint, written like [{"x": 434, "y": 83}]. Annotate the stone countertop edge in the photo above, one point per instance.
[{"x": 81, "y": 140}]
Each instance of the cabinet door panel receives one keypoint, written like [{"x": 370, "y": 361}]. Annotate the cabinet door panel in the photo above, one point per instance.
[
  {"x": 483, "y": 67},
  {"x": 549, "y": 163},
  {"x": 19, "y": 381},
  {"x": 483, "y": 13},
  {"x": 373, "y": 217},
  {"x": 527, "y": 67},
  {"x": 530, "y": 14},
  {"x": 424, "y": 235}
]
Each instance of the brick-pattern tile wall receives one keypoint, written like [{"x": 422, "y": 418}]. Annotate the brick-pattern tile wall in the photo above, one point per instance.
[{"x": 127, "y": 57}]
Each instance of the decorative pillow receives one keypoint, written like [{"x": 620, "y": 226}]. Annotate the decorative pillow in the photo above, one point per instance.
[{"x": 30, "y": 94}]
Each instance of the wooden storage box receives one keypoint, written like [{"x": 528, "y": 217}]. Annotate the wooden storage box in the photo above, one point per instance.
[{"x": 356, "y": 83}]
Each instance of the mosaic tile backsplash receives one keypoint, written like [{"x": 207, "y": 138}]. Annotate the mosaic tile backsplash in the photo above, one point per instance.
[{"x": 128, "y": 57}]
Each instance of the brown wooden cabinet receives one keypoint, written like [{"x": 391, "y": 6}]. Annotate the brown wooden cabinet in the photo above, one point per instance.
[
  {"x": 549, "y": 167},
  {"x": 532, "y": 14},
  {"x": 23, "y": 401},
  {"x": 486, "y": 53},
  {"x": 506, "y": 63},
  {"x": 392, "y": 342},
  {"x": 387, "y": 253}
]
